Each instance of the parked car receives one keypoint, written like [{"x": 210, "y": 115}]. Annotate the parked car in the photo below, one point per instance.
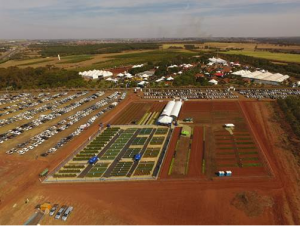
[
  {"x": 67, "y": 213},
  {"x": 53, "y": 209},
  {"x": 60, "y": 212}
]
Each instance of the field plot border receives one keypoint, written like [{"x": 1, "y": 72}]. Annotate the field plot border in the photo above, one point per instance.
[{"x": 153, "y": 176}]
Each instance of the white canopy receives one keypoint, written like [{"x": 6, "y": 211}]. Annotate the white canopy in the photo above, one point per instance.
[
  {"x": 165, "y": 120},
  {"x": 213, "y": 81}
]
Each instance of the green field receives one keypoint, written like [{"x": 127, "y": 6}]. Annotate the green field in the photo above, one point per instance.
[
  {"x": 284, "y": 57},
  {"x": 34, "y": 62},
  {"x": 137, "y": 58},
  {"x": 75, "y": 59}
]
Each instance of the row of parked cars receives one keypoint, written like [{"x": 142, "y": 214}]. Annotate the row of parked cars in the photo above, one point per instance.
[
  {"x": 30, "y": 101},
  {"x": 29, "y": 114},
  {"x": 60, "y": 126},
  {"x": 13, "y": 98},
  {"x": 190, "y": 94},
  {"x": 45, "y": 118},
  {"x": 61, "y": 213},
  {"x": 269, "y": 93},
  {"x": 82, "y": 114}
]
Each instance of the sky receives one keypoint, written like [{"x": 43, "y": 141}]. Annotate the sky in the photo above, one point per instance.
[{"x": 99, "y": 19}]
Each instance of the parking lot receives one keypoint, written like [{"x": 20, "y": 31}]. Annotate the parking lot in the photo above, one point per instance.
[
  {"x": 216, "y": 94},
  {"x": 55, "y": 120},
  {"x": 115, "y": 152}
]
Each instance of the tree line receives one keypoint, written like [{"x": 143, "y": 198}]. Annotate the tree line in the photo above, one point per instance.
[
  {"x": 291, "y": 109},
  {"x": 43, "y": 77}
]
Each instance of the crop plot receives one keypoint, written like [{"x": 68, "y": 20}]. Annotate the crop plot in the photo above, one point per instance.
[
  {"x": 144, "y": 169},
  {"x": 220, "y": 149},
  {"x": 151, "y": 152},
  {"x": 113, "y": 152},
  {"x": 157, "y": 140},
  {"x": 140, "y": 113}
]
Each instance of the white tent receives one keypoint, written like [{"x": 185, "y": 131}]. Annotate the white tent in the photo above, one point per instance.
[
  {"x": 262, "y": 75},
  {"x": 170, "y": 79},
  {"x": 120, "y": 75},
  {"x": 165, "y": 120},
  {"x": 142, "y": 83},
  {"x": 128, "y": 75},
  {"x": 168, "y": 109},
  {"x": 161, "y": 79},
  {"x": 214, "y": 82},
  {"x": 176, "y": 109},
  {"x": 95, "y": 74},
  {"x": 112, "y": 80},
  {"x": 138, "y": 65}
]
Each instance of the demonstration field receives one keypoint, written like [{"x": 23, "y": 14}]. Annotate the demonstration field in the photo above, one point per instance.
[
  {"x": 116, "y": 149},
  {"x": 213, "y": 147},
  {"x": 141, "y": 113}
]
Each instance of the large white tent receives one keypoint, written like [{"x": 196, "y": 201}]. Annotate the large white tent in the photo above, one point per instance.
[
  {"x": 96, "y": 74},
  {"x": 217, "y": 61},
  {"x": 176, "y": 109},
  {"x": 262, "y": 75}
]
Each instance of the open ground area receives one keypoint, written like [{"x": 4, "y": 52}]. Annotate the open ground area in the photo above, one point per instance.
[{"x": 187, "y": 182}]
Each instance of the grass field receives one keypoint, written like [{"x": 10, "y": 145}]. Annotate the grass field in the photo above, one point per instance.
[
  {"x": 136, "y": 58},
  {"x": 76, "y": 59},
  {"x": 99, "y": 61},
  {"x": 284, "y": 57}
]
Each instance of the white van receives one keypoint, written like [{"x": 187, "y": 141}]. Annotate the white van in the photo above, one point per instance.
[{"x": 67, "y": 213}]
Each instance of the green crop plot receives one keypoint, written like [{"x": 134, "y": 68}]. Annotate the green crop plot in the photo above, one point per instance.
[
  {"x": 157, "y": 140},
  {"x": 144, "y": 169},
  {"x": 151, "y": 152},
  {"x": 131, "y": 152},
  {"x": 139, "y": 141},
  {"x": 121, "y": 169}
]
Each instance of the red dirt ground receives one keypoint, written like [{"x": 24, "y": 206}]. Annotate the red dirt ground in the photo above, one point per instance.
[
  {"x": 157, "y": 202},
  {"x": 195, "y": 163},
  {"x": 170, "y": 153}
]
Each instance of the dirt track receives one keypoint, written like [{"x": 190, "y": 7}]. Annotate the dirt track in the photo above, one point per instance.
[{"x": 171, "y": 201}]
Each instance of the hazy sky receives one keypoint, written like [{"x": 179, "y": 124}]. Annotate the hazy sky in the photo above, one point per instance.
[{"x": 52, "y": 19}]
